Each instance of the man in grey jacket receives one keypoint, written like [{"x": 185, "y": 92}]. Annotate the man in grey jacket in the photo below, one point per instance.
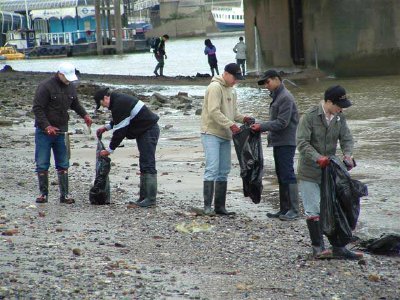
[
  {"x": 319, "y": 131},
  {"x": 281, "y": 127},
  {"x": 240, "y": 50}
]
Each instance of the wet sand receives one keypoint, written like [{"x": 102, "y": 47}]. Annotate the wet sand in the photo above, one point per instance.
[{"x": 82, "y": 251}]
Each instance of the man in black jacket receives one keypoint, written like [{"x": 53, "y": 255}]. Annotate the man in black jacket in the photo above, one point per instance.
[
  {"x": 281, "y": 127},
  {"x": 160, "y": 54},
  {"x": 53, "y": 98},
  {"x": 132, "y": 119}
]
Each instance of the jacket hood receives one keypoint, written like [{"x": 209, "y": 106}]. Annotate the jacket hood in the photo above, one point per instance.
[{"x": 219, "y": 79}]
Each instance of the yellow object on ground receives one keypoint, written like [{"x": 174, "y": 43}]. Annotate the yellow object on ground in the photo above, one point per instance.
[{"x": 193, "y": 227}]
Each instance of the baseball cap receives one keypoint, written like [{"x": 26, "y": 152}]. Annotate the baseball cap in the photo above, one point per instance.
[
  {"x": 268, "y": 74},
  {"x": 337, "y": 95},
  {"x": 235, "y": 70},
  {"x": 99, "y": 95},
  {"x": 68, "y": 70}
]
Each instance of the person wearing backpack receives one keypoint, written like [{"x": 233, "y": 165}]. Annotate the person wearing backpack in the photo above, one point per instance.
[{"x": 159, "y": 53}]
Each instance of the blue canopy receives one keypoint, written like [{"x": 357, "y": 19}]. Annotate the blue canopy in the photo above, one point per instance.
[{"x": 19, "y": 5}]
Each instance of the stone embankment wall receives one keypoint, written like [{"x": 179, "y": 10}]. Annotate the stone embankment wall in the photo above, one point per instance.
[
  {"x": 345, "y": 37},
  {"x": 179, "y": 20}
]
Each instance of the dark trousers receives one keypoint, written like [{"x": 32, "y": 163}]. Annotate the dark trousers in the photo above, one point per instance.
[
  {"x": 242, "y": 64},
  {"x": 147, "y": 144},
  {"x": 160, "y": 60},
  {"x": 284, "y": 160}
]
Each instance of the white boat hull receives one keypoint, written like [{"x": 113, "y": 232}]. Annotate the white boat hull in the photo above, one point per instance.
[{"x": 228, "y": 18}]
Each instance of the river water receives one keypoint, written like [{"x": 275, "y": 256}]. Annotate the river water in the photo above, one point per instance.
[
  {"x": 184, "y": 57},
  {"x": 374, "y": 118}
]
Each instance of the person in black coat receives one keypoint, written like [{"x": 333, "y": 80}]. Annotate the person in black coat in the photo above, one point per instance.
[
  {"x": 210, "y": 51},
  {"x": 132, "y": 119}
]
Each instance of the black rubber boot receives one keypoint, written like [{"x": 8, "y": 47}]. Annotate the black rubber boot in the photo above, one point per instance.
[
  {"x": 162, "y": 71},
  {"x": 155, "y": 71},
  {"x": 340, "y": 251},
  {"x": 208, "y": 194},
  {"x": 220, "y": 198},
  {"x": 43, "y": 178},
  {"x": 142, "y": 190},
  {"x": 317, "y": 239},
  {"x": 293, "y": 212},
  {"x": 283, "y": 201},
  {"x": 150, "y": 188},
  {"x": 344, "y": 253},
  {"x": 63, "y": 185}
]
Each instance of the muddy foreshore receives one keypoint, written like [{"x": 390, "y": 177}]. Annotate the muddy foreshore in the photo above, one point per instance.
[{"x": 81, "y": 251}]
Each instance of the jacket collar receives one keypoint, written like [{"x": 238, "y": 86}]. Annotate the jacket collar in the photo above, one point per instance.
[
  {"x": 58, "y": 80},
  {"x": 274, "y": 94},
  {"x": 111, "y": 101}
]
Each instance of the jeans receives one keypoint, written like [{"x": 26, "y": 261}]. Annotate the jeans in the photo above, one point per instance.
[
  {"x": 43, "y": 145},
  {"x": 218, "y": 157},
  {"x": 310, "y": 193},
  {"x": 147, "y": 144},
  {"x": 284, "y": 161}
]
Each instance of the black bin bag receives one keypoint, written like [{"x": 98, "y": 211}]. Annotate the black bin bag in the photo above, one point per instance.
[
  {"x": 340, "y": 201},
  {"x": 248, "y": 149},
  {"x": 387, "y": 244},
  {"x": 100, "y": 192}
]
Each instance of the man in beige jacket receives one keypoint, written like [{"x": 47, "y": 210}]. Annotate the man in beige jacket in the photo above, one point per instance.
[{"x": 218, "y": 118}]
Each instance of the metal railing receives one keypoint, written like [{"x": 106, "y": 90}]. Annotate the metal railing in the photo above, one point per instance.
[{"x": 82, "y": 36}]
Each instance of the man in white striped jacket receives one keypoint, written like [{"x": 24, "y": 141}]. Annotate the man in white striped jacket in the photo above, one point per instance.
[{"x": 132, "y": 119}]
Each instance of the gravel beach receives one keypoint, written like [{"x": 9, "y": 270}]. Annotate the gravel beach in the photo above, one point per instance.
[{"x": 81, "y": 251}]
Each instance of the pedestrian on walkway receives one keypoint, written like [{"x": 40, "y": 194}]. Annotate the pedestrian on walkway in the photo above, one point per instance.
[
  {"x": 281, "y": 127},
  {"x": 211, "y": 51},
  {"x": 240, "y": 50},
  {"x": 160, "y": 54},
  {"x": 53, "y": 98}
]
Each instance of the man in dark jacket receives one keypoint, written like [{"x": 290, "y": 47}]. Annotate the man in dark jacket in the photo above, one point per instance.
[
  {"x": 53, "y": 98},
  {"x": 132, "y": 119},
  {"x": 160, "y": 54},
  {"x": 281, "y": 127}
]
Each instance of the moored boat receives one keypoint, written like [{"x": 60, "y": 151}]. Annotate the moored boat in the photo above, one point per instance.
[
  {"x": 76, "y": 43},
  {"x": 228, "y": 18},
  {"x": 9, "y": 53}
]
